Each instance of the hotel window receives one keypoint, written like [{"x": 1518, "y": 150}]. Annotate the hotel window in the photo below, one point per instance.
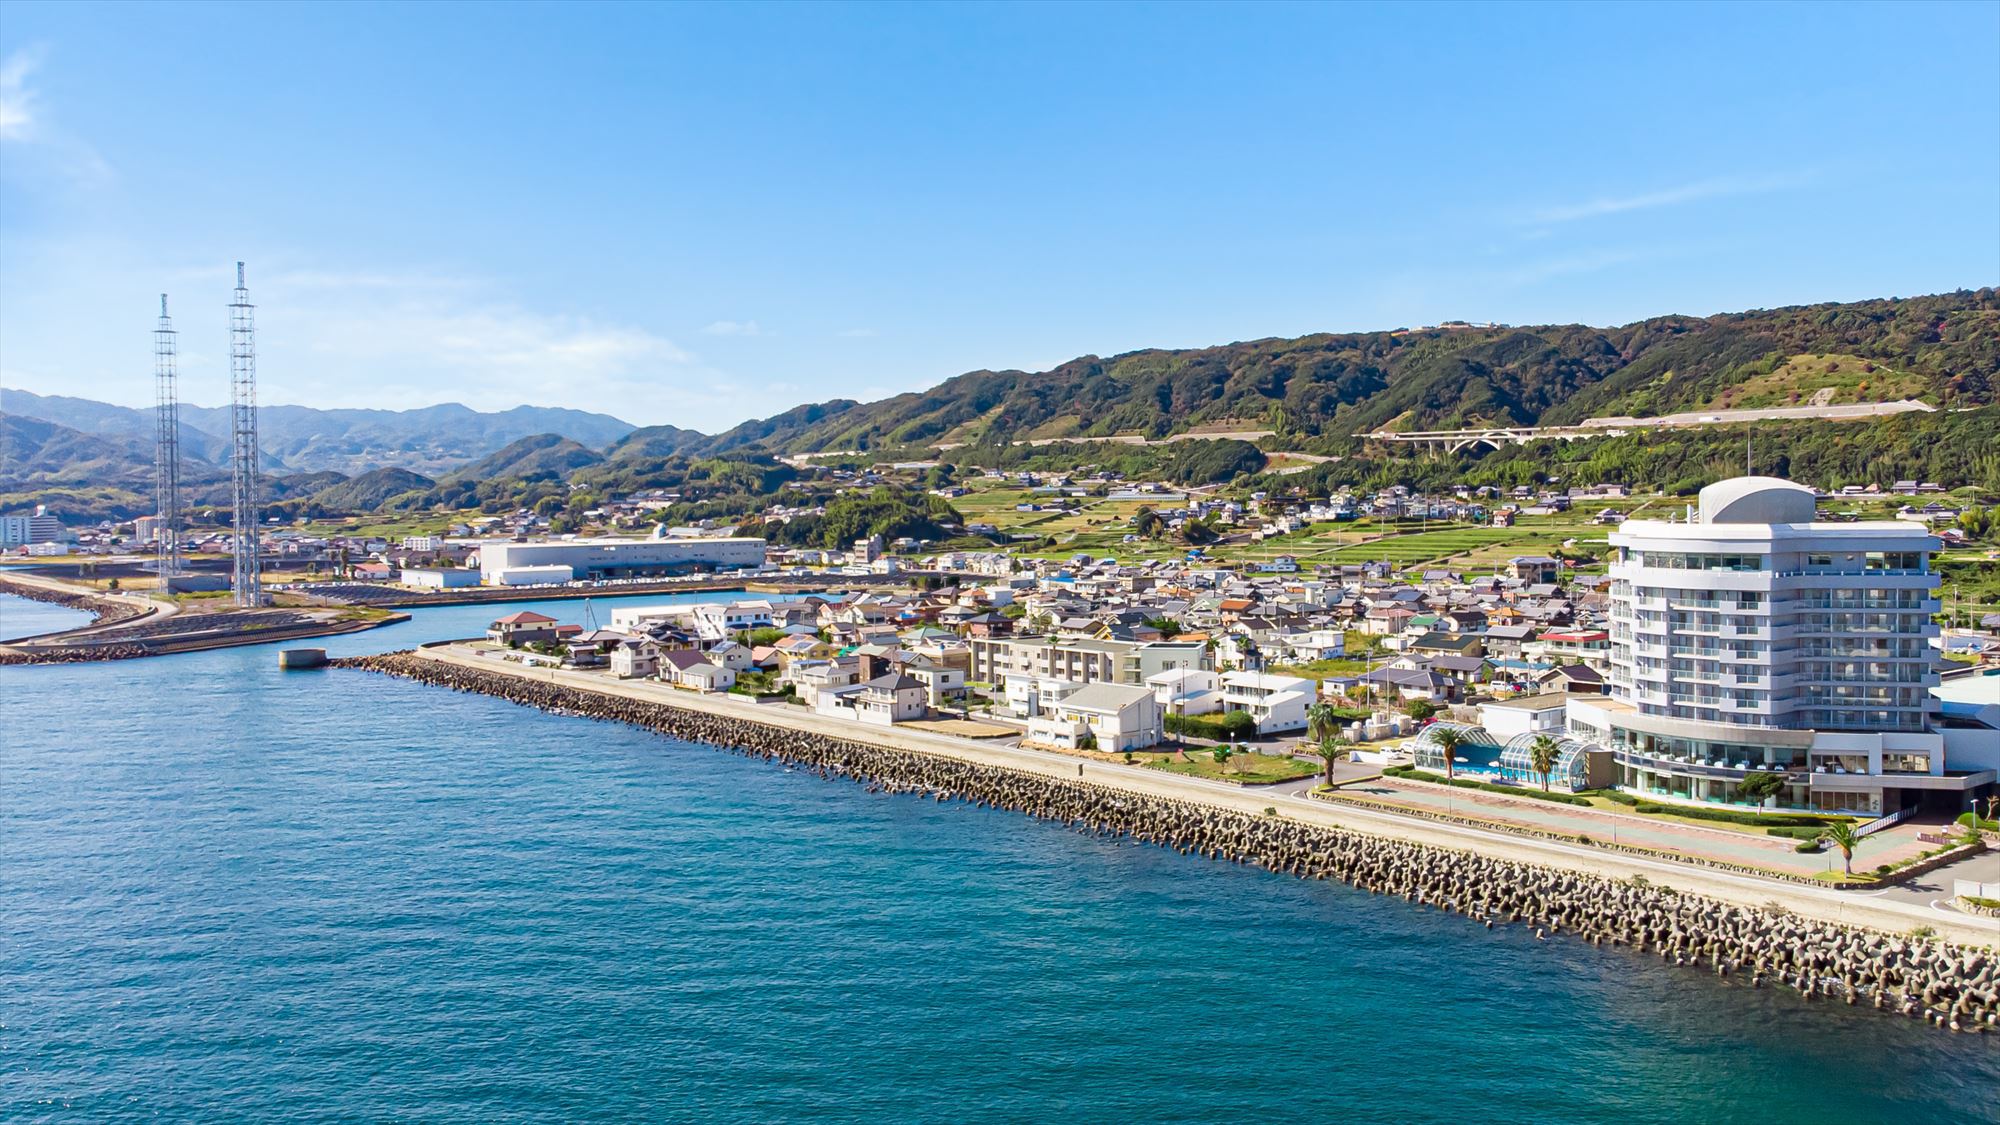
[{"x": 1895, "y": 560}]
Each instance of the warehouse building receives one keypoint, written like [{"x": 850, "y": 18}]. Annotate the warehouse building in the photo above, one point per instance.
[{"x": 510, "y": 564}]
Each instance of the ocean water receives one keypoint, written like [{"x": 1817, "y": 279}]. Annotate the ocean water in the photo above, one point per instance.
[
  {"x": 232, "y": 893},
  {"x": 23, "y": 617}
]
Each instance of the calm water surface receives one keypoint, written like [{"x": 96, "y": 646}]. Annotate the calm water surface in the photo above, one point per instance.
[
  {"x": 22, "y": 617},
  {"x": 232, "y": 893}
]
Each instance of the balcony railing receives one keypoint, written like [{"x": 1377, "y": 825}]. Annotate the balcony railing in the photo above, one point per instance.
[{"x": 1715, "y": 768}]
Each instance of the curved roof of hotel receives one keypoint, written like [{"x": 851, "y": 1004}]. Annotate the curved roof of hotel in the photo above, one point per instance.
[{"x": 1764, "y": 500}]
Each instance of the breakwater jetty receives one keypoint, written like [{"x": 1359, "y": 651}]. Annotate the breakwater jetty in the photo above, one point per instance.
[
  {"x": 1947, "y": 985},
  {"x": 104, "y": 610}
]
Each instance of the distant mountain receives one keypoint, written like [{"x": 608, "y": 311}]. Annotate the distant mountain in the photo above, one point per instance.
[
  {"x": 1313, "y": 393},
  {"x": 369, "y": 491},
  {"x": 539, "y": 457},
  {"x": 35, "y": 453},
  {"x": 433, "y": 439},
  {"x": 1944, "y": 349},
  {"x": 648, "y": 442}
]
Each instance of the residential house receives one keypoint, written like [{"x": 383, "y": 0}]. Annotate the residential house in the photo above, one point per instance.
[
  {"x": 1114, "y": 717},
  {"x": 1187, "y": 691},
  {"x": 1277, "y": 703},
  {"x": 523, "y": 627}
]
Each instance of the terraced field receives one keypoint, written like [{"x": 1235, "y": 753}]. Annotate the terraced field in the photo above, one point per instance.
[{"x": 1424, "y": 546}]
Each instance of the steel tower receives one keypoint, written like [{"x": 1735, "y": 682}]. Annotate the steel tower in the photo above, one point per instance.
[
  {"x": 167, "y": 450},
  {"x": 247, "y": 578}
]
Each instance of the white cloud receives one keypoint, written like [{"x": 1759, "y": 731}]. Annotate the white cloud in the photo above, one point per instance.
[
  {"x": 734, "y": 328},
  {"x": 17, "y": 101},
  {"x": 1719, "y": 188},
  {"x": 490, "y": 355},
  {"x": 40, "y": 148},
  {"x": 342, "y": 334}
]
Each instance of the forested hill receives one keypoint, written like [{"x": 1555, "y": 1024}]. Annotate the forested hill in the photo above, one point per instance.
[{"x": 1944, "y": 349}]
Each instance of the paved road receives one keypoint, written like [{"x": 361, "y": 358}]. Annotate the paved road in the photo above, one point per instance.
[
  {"x": 1595, "y": 427},
  {"x": 1934, "y": 888}
]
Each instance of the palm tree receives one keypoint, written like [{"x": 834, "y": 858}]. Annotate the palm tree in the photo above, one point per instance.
[
  {"x": 1843, "y": 836},
  {"x": 1333, "y": 748},
  {"x": 1542, "y": 757},
  {"x": 1448, "y": 739},
  {"x": 1321, "y": 721}
]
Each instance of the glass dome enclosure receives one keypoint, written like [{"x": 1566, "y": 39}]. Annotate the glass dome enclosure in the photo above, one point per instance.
[
  {"x": 1477, "y": 746},
  {"x": 1572, "y": 768}
]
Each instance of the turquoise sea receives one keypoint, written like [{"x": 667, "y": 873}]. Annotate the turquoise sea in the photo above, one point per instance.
[{"x": 230, "y": 893}]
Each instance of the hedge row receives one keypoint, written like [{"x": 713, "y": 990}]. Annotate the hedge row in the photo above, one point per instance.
[
  {"x": 1218, "y": 728},
  {"x": 1736, "y": 816}
]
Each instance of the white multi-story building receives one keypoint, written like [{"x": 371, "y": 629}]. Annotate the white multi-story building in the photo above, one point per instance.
[
  {"x": 1754, "y": 638},
  {"x": 40, "y": 527},
  {"x": 1278, "y": 703}
]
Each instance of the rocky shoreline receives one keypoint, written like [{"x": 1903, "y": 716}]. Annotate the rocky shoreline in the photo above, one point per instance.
[
  {"x": 1948, "y": 986},
  {"x": 107, "y": 611}
]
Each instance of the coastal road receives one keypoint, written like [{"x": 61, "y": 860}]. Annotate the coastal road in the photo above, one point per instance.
[{"x": 1884, "y": 912}]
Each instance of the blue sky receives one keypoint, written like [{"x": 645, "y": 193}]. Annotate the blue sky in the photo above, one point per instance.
[{"x": 696, "y": 215}]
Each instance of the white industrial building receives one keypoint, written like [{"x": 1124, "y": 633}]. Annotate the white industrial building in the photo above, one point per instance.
[
  {"x": 440, "y": 577},
  {"x": 516, "y": 564}
]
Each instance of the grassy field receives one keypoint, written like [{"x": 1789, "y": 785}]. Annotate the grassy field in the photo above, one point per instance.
[
  {"x": 1255, "y": 768},
  {"x": 1795, "y": 381},
  {"x": 1969, "y": 582},
  {"x": 389, "y": 527}
]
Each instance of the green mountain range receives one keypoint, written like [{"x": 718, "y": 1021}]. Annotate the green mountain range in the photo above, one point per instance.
[
  {"x": 1944, "y": 349},
  {"x": 1313, "y": 394}
]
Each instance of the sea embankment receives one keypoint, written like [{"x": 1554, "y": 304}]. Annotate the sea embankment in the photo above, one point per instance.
[
  {"x": 127, "y": 626},
  {"x": 104, "y": 610},
  {"x": 1947, "y": 985}
]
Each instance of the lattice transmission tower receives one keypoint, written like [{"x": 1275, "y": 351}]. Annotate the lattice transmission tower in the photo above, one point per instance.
[
  {"x": 166, "y": 451},
  {"x": 247, "y": 578}
]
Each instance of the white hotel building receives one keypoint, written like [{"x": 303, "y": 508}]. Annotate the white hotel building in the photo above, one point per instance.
[{"x": 1756, "y": 638}]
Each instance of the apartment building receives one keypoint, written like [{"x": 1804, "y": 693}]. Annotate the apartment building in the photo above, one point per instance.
[{"x": 1080, "y": 660}]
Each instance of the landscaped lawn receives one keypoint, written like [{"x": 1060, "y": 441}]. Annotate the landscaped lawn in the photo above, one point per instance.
[{"x": 1240, "y": 767}]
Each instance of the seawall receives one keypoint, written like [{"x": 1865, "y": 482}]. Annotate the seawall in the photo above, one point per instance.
[
  {"x": 104, "y": 610},
  {"x": 1947, "y": 985}
]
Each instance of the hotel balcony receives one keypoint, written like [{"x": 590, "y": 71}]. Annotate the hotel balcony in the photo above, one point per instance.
[{"x": 1714, "y": 768}]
